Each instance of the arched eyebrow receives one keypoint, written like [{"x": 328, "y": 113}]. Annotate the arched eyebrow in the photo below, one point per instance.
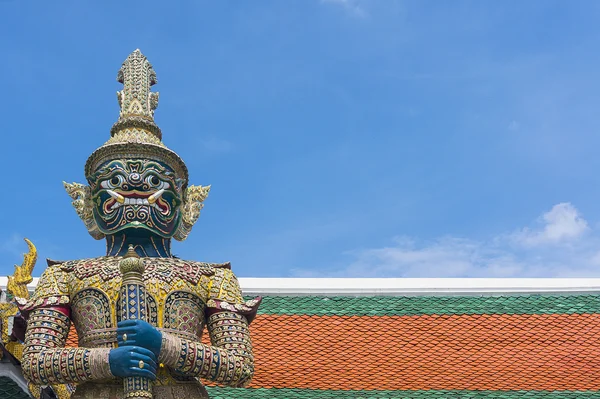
[
  {"x": 157, "y": 166},
  {"x": 111, "y": 167}
]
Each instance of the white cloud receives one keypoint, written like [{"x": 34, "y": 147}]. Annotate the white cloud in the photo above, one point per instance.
[
  {"x": 562, "y": 224},
  {"x": 351, "y": 6},
  {"x": 559, "y": 247}
]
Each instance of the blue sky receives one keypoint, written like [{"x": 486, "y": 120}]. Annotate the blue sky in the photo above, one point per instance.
[{"x": 341, "y": 137}]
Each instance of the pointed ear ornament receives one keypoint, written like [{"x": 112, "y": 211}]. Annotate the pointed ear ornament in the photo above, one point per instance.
[
  {"x": 190, "y": 210},
  {"x": 82, "y": 202}
]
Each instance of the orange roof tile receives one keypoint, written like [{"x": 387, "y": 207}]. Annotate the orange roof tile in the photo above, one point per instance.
[
  {"x": 72, "y": 340},
  {"x": 543, "y": 352},
  {"x": 474, "y": 352}
]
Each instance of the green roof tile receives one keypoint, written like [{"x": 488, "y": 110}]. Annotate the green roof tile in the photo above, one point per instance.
[
  {"x": 430, "y": 305},
  {"x": 11, "y": 390}
]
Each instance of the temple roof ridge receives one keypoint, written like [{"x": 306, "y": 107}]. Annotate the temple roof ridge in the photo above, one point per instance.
[{"x": 408, "y": 286}]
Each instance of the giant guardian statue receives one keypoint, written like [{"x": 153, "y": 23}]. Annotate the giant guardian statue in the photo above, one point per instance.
[{"x": 139, "y": 311}]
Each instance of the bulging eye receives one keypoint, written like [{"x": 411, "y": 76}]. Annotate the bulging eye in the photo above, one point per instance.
[
  {"x": 113, "y": 182},
  {"x": 155, "y": 182}
]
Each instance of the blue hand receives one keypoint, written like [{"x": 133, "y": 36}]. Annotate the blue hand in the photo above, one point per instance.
[
  {"x": 125, "y": 362},
  {"x": 139, "y": 333}
]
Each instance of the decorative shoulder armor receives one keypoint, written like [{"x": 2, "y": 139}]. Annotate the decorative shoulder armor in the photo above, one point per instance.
[
  {"x": 247, "y": 308},
  {"x": 226, "y": 296},
  {"x": 51, "y": 291}
]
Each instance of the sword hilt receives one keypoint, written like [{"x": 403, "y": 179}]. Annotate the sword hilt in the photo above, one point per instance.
[{"x": 133, "y": 306}]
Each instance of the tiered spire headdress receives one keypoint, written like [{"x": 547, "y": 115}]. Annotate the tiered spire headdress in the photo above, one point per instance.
[{"x": 135, "y": 135}]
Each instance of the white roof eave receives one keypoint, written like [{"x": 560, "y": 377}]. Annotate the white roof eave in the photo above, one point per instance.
[{"x": 407, "y": 286}]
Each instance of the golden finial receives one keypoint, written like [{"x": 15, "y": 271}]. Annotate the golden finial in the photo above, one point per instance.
[
  {"x": 131, "y": 252},
  {"x": 136, "y": 101},
  {"x": 137, "y": 76},
  {"x": 132, "y": 264},
  {"x": 17, "y": 283}
]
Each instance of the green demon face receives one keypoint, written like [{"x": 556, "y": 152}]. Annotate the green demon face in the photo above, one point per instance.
[{"x": 136, "y": 194}]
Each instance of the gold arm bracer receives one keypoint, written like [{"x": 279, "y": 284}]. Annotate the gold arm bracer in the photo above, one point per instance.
[
  {"x": 229, "y": 360},
  {"x": 47, "y": 361}
]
